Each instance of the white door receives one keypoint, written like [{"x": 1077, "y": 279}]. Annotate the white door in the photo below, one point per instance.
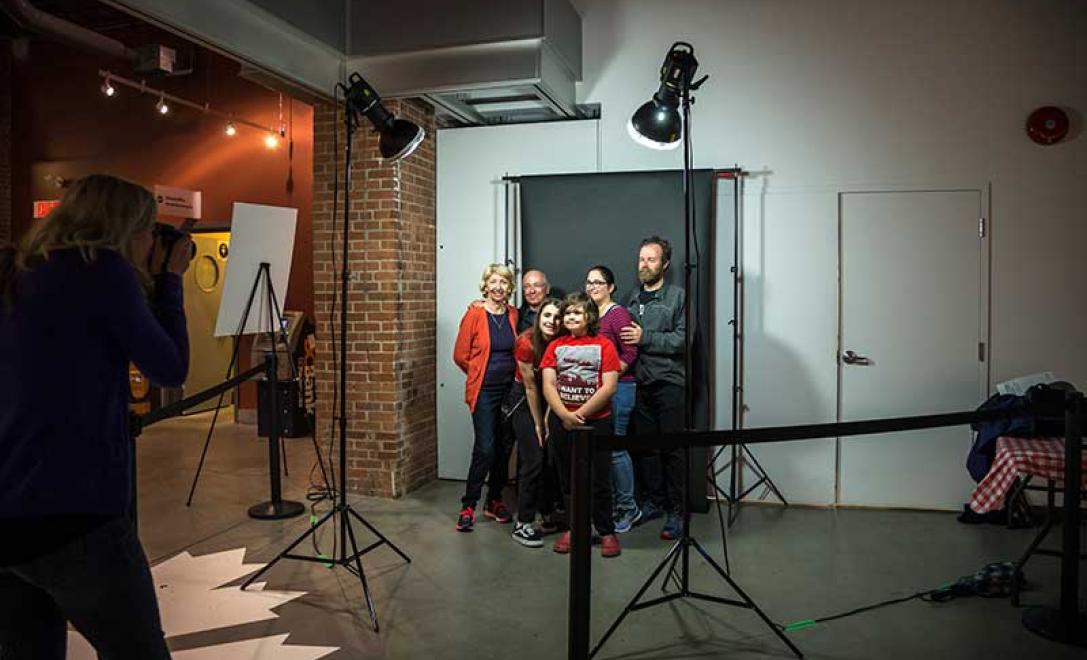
[{"x": 911, "y": 278}]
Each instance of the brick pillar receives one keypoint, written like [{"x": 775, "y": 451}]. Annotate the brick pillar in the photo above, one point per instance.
[
  {"x": 391, "y": 379},
  {"x": 5, "y": 140}
]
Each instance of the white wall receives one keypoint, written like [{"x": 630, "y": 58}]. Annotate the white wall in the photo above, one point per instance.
[{"x": 826, "y": 95}]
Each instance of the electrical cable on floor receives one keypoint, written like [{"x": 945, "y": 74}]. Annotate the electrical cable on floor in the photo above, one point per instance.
[{"x": 992, "y": 581}]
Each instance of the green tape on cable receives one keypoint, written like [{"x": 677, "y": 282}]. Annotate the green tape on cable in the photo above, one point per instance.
[
  {"x": 328, "y": 563},
  {"x": 800, "y": 625},
  {"x": 312, "y": 520}
]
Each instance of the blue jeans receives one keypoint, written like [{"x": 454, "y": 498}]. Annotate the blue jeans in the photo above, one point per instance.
[
  {"x": 491, "y": 451},
  {"x": 622, "y": 469},
  {"x": 100, "y": 582}
]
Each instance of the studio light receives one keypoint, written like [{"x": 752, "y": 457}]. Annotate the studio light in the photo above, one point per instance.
[
  {"x": 399, "y": 137},
  {"x": 230, "y": 129},
  {"x": 658, "y": 123},
  {"x": 107, "y": 88},
  {"x": 161, "y": 106}
]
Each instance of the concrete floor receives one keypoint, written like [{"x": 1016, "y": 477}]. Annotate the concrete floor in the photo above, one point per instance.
[{"x": 480, "y": 595}]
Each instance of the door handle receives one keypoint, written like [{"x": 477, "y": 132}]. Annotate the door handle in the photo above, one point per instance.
[{"x": 849, "y": 357}]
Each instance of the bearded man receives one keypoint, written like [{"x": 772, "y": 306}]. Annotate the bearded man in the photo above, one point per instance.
[{"x": 659, "y": 329}]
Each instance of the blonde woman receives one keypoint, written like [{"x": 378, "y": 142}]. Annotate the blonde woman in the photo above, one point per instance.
[
  {"x": 484, "y": 352},
  {"x": 86, "y": 292}
]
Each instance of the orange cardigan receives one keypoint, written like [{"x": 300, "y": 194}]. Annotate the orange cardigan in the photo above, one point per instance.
[{"x": 473, "y": 349}]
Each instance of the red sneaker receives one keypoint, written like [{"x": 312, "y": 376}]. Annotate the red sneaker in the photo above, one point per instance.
[
  {"x": 609, "y": 546},
  {"x": 562, "y": 546},
  {"x": 466, "y": 519},
  {"x": 498, "y": 512}
]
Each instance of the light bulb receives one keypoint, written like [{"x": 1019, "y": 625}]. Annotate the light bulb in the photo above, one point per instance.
[
  {"x": 231, "y": 131},
  {"x": 271, "y": 141},
  {"x": 108, "y": 89},
  {"x": 161, "y": 106}
]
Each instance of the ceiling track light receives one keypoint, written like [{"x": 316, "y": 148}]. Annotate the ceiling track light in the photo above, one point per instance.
[{"x": 110, "y": 81}]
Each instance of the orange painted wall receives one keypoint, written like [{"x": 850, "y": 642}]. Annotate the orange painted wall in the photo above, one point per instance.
[{"x": 63, "y": 126}]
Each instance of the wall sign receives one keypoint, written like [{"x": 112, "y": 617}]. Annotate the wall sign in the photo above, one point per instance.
[{"x": 178, "y": 201}]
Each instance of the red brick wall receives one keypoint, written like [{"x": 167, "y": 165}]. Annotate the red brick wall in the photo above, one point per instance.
[
  {"x": 5, "y": 140},
  {"x": 391, "y": 379}
]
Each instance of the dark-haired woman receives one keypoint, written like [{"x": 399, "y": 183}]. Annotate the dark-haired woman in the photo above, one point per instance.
[
  {"x": 580, "y": 371},
  {"x": 86, "y": 292},
  {"x": 600, "y": 287},
  {"x": 528, "y": 425}
]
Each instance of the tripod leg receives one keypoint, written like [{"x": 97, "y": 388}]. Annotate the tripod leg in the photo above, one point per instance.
[
  {"x": 378, "y": 534},
  {"x": 763, "y": 473},
  {"x": 309, "y": 532},
  {"x": 204, "y": 451},
  {"x": 671, "y": 574},
  {"x": 670, "y": 557},
  {"x": 362, "y": 574},
  {"x": 712, "y": 477},
  {"x": 747, "y": 599}
]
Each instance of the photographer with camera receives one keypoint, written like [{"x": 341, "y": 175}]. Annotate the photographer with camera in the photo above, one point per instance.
[{"x": 90, "y": 289}]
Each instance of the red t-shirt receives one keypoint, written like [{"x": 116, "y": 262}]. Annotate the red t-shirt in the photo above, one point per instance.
[
  {"x": 523, "y": 351},
  {"x": 580, "y": 364}
]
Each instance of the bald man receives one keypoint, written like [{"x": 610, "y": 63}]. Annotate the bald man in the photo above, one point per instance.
[{"x": 535, "y": 288}]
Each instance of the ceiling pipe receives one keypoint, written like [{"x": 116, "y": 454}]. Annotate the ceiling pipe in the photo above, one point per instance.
[{"x": 31, "y": 18}]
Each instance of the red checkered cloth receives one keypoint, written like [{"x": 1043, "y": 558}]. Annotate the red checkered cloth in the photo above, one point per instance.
[{"x": 1043, "y": 457}]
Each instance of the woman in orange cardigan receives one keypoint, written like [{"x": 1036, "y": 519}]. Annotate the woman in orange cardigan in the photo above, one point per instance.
[{"x": 484, "y": 351}]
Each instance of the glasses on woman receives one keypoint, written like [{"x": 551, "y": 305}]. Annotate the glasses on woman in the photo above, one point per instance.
[{"x": 592, "y": 284}]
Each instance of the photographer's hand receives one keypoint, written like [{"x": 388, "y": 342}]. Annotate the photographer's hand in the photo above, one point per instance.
[{"x": 180, "y": 255}]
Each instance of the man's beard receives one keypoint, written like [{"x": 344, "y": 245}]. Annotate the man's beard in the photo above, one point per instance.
[{"x": 649, "y": 276}]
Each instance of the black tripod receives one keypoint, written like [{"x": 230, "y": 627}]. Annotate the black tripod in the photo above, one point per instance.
[
  {"x": 342, "y": 511},
  {"x": 276, "y": 507},
  {"x": 682, "y": 63}
]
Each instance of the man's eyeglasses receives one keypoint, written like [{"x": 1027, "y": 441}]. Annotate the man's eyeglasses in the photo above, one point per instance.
[
  {"x": 592, "y": 284},
  {"x": 530, "y": 285}
]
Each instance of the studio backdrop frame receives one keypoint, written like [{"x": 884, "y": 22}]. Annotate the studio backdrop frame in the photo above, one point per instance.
[{"x": 563, "y": 224}]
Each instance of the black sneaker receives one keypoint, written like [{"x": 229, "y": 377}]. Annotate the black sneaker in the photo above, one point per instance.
[
  {"x": 548, "y": 525},
  {"x": 526, "y": 535}
]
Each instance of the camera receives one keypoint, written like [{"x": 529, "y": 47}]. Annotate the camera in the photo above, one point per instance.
[{"x": 168, "y": 235}]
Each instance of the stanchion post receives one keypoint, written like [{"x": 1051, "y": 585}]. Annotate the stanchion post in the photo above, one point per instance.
[
  {"x": 1066, "y": 624},
  {"x": 581, "y": 543},
  {"x": 272, "y": 378},
  {"x": 1073, "y": 471}
]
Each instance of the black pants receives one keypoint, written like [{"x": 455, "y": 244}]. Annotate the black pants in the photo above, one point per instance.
[
  {"x": 658, "y": 408},
  {"x": 530, "y": 465},
  {"x": 560, "y": 440},
  {"x": 100, "y": 582},
  {"x": 491, "y": 451}
]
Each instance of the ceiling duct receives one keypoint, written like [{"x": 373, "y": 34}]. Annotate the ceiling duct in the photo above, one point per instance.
[{"x": 478, "y": 62}]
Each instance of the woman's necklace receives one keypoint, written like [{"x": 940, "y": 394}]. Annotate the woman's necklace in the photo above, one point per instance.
[{"x": 496, "y": 319}]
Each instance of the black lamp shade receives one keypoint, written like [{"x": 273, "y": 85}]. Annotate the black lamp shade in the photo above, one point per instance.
[
  {"x": 399, "y": 138},
  {"x": 656, "y": 125}
]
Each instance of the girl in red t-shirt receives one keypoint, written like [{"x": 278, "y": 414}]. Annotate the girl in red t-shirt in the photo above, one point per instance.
[
  {"x": 528, "y": 428},
  {"x": 580, "y": 373}
]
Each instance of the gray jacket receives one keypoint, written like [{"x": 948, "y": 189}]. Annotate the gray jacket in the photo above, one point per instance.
[{"x": 660, "y": 355}]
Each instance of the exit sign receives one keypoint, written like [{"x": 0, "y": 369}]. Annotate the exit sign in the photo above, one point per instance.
[{"x": 43, "y": 207}]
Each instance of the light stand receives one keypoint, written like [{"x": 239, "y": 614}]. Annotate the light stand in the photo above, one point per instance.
[
  {"x": 398, "y": 139},
  {"x": 677, "y": 85}
]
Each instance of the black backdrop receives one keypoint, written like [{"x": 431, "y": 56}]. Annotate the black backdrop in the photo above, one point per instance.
[{"x": 570, "y": 222}]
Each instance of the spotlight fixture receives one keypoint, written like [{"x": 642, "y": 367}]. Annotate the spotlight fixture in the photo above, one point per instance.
[
  {"x": 161, "y": 106},
  {"x": 271, "y": 141},
  {"x": 230, "y": 129},
  {"x": 658, "y": 124},
  {"x": 107, "y": 87},
  {"x": 399, "y": 137}
]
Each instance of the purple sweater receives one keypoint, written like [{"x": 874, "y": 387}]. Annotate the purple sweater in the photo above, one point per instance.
[
  {"x": 65, "y": 346},
  {"x": 614, "y": 320}
]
